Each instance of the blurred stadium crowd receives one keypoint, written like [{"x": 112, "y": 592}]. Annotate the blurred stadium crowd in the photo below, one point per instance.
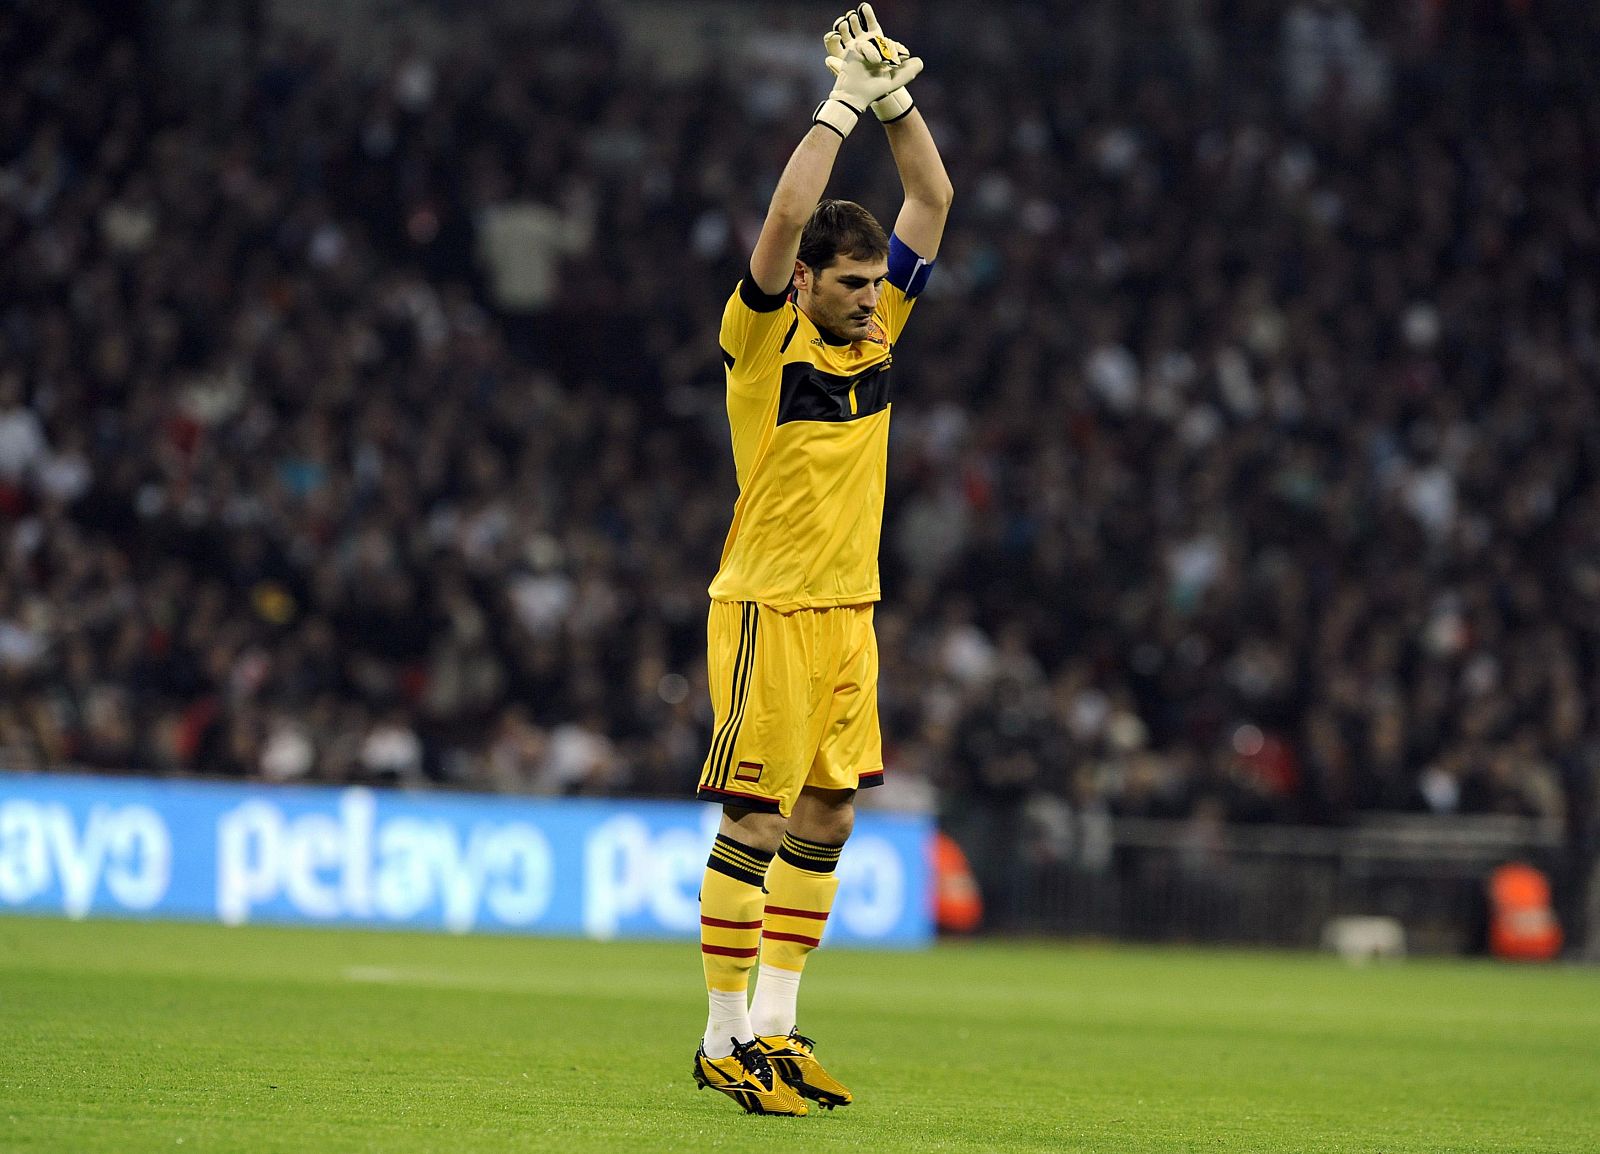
[{"x": 1247, "y": 458}]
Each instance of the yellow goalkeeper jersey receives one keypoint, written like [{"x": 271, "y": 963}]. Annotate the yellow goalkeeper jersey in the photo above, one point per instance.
[{"x": 810, "y": 427}]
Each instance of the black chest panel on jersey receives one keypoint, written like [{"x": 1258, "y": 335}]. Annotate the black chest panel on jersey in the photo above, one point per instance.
[{"x": 811, "y": 394}]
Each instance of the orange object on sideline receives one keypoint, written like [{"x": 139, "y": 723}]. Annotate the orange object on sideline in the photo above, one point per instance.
[
  {"x": 1522, "y": 926},
  {"x": 957, "y": 901}
]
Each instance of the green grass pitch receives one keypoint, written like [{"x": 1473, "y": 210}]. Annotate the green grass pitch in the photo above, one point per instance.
[{"x": 143, "y": 1036}]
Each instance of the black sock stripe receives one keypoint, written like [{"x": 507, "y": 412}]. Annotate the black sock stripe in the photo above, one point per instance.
[
  {"x": 816, "y": 865},
  {"x": 808, "y": 861},
  {"x": 728, "y": 722},
  {"x": 738, "y": 873},
  {"x": 820, "y": 847},
  {"x": 736, "y": 860},
  {"x": 740, "y": 856},
  {"x": 794, "y": 854},
  {"x": 741, "y": 863},
  {"x": 733, "y": 854},
  {"x": 749, "y": 861},
  {"x": 752, "y": 619},
  {"x": 816, "y": 856}
]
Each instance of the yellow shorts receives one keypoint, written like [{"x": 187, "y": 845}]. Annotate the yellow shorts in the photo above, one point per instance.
[{"x": 796, "y": 701}]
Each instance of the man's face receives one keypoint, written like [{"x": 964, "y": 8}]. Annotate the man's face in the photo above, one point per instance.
[{"x": 841, "y": 298}]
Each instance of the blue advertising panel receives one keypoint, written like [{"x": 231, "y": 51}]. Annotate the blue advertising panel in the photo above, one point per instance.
[{"x": 201, "y": 851}]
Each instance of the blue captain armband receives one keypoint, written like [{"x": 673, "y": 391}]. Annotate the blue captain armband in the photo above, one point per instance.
[{"x": 908, "y": 272}]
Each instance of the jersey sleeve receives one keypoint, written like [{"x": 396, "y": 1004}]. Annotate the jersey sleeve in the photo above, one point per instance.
[
  {"x": 908, "y": 276},
  {"x": 755, "y": 327}
]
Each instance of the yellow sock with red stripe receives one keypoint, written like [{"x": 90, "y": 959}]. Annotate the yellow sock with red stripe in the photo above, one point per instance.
[
  {"x": 730, "y": 938},
  {"x": 801, "y": 883}
]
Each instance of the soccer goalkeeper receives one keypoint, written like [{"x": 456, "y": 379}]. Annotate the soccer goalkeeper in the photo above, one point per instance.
[{"x": 807, "y": 342}]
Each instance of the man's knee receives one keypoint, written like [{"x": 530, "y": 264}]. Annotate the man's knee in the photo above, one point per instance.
[
  {"x": 762, "y": 831},
  {"x": 824, "y": 815}
]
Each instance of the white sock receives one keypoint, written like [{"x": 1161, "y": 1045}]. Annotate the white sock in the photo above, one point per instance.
[
  {"x": 777, "y": 993},
  {"x": 729, "y": 1019}
]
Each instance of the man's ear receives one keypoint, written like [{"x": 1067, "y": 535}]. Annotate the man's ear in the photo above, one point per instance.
[{"x": 802, "y": 275}]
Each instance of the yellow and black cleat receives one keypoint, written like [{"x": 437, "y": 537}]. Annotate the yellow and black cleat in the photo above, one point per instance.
[
  {"x": 749, "y": 1079},
  {"x": 792, "y": 1056}
]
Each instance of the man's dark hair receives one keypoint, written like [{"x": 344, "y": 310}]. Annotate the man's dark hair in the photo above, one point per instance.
[{"x": 841, "y": 228}]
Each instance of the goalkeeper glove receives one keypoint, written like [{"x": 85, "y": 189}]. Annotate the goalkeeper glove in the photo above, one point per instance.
[
  {"x": 897, "y": 103},
  {"x": 868, "y": 69}
]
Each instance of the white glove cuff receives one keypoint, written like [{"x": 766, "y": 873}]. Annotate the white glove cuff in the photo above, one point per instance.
[
  {"x": 893, "y": 106},
  {"x": 837, "y": 115}
]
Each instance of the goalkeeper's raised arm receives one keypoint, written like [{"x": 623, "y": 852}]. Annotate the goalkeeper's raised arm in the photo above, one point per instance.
[
  {"x": 869, "y": 70},
  {"x": 920, "y": 224}
]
